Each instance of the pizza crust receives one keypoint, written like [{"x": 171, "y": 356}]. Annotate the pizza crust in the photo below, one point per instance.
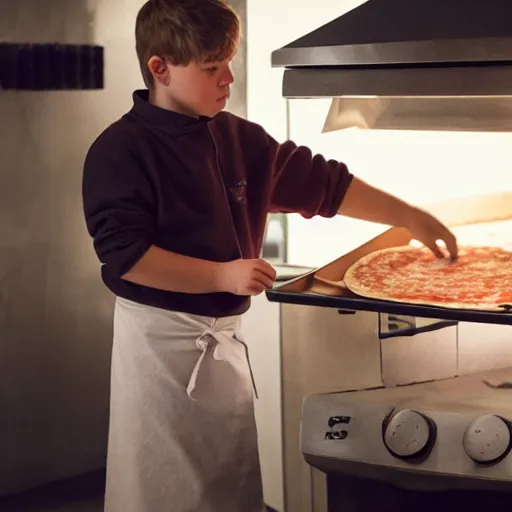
[
  {"x": 330, "y": 282},
  {"x": 353, "y": 285}
]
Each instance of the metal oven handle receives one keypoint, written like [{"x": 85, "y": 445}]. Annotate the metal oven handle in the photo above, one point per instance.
[{"x": 406, "y": 326}]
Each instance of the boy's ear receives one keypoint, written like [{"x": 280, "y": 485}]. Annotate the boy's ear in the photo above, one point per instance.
[{"x": 159, "y": 70}]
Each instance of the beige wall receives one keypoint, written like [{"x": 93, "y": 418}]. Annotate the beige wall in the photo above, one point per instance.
[
  {"x": 55, "y": 320},
  {"x": 55, "y": 314}
]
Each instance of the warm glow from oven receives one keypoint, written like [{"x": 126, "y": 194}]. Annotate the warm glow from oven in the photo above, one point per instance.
[{"x": 419, "y": 166}]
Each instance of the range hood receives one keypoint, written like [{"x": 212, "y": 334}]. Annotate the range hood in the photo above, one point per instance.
[{"x": 408, "y": 64}]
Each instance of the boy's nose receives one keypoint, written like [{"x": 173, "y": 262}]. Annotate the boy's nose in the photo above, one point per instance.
[{"x": 227, "y": 78}]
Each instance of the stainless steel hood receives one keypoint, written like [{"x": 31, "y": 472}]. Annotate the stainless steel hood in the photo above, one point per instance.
[{"x": 408, "y": 64}]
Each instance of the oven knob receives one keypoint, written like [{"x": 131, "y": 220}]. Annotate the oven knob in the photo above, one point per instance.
[
  {"x": 409, "y": 434},
  {"x": 487, "y": 440}
]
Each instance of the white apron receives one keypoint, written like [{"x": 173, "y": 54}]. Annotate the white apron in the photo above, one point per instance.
[{"x": 182, "y": 435}]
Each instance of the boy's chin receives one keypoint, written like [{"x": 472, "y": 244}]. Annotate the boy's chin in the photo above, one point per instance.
[{"x": 212, "y": 112}]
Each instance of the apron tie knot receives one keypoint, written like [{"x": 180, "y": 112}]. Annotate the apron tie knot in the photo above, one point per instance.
[{"x": 222, "y": 353}]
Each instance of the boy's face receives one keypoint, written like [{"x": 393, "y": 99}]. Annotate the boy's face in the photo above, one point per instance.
[{"x": 197, "y": 89}]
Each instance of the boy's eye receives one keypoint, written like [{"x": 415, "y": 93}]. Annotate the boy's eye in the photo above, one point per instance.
[{"x": 212, "y": 69}]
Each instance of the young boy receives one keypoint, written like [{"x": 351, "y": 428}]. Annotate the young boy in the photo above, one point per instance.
[{"x": 176, "y": 195}]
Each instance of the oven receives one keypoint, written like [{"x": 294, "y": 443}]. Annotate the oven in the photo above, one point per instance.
[
  {"x": 400, "y": 404},
  {"x": 420, "y": 447},
  {"x": 389, "y": 405}
]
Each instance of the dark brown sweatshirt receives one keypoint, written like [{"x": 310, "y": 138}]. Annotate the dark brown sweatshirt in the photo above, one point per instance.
[{"x": 199, "y": 187}]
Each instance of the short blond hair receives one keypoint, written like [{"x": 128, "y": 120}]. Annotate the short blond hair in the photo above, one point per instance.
[{"x": 182, "y": 31}]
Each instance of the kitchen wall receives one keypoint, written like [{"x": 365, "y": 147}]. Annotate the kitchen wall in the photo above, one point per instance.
[
  {"x": 55, "y": 314},
  {"x": 55, "y": 325}
]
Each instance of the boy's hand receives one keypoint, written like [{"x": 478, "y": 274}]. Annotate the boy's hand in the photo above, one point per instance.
[
  {"x": 427, "y": 229},
  {"x": 246, "y": 277},
  {"x": 362, "y": 201}
]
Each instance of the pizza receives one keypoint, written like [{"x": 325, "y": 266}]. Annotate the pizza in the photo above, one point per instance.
[{"x": 481, "y": 278}]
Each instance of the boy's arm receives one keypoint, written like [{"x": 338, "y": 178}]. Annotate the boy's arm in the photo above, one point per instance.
[
  {"x": 161, "y": 269},
  {"x": 166, "y": 270},
  {"x": 311, "y": 185},
  {"x": 362, "y": 201}
]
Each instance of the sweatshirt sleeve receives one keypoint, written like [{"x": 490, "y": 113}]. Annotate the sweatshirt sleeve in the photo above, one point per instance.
[
  {"x": 305, "y": 183},
  {"x": 119, "y": 205}
]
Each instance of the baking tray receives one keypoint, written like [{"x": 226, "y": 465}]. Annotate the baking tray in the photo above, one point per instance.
[{"x": 324, "y": 287}]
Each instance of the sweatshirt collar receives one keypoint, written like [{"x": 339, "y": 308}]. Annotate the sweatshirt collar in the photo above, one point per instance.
[{"x": 161, "y": 116}]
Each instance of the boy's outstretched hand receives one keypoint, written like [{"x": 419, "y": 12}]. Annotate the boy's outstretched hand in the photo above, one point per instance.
[
  {"x": 428, "y": 230},
  {"x": 362, "y": 201}
]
